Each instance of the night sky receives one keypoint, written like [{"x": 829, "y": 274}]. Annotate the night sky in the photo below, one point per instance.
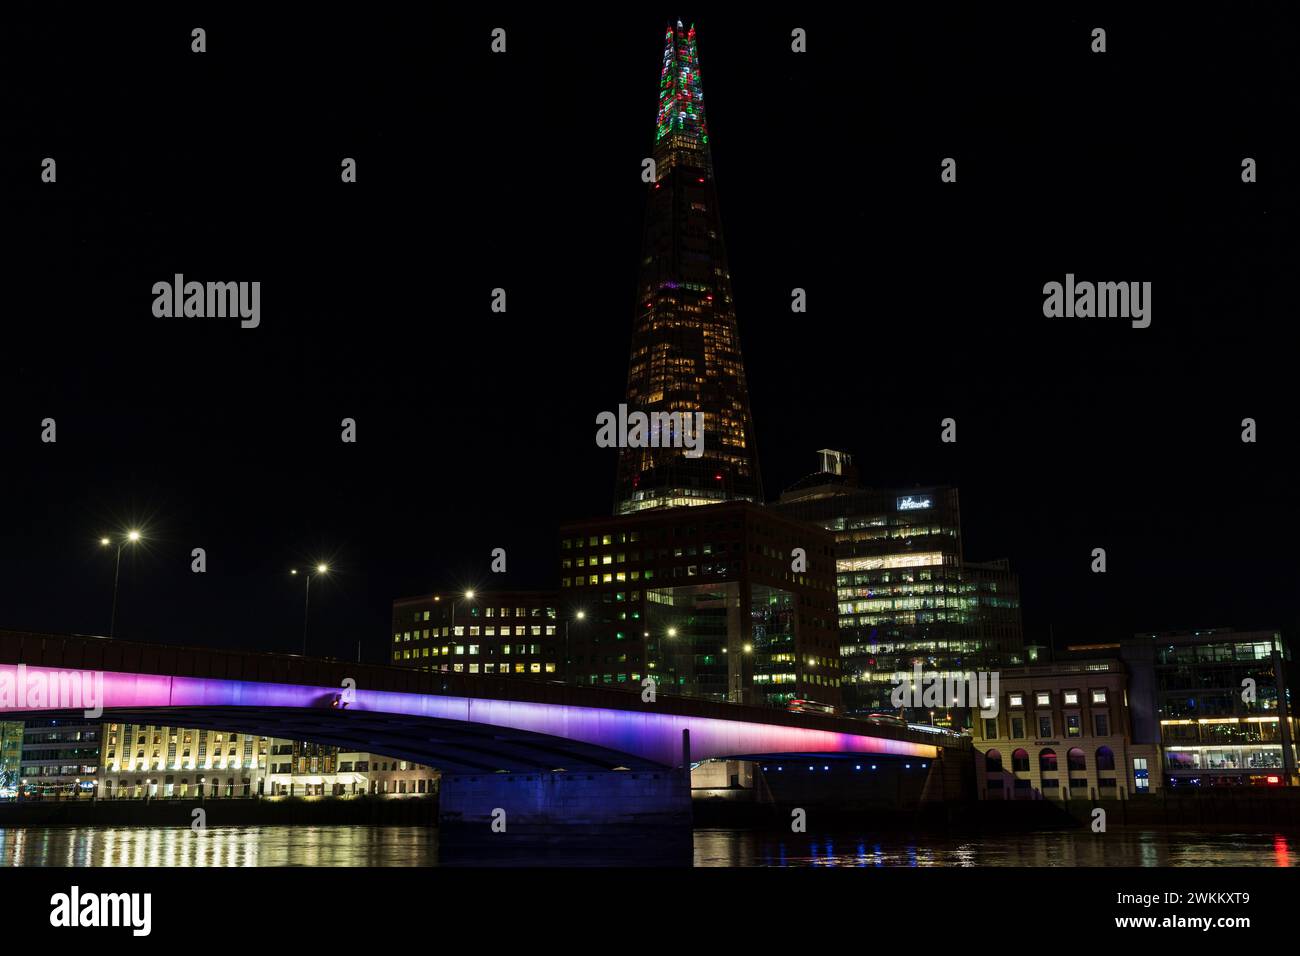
[{"x": 476, "y": 430}]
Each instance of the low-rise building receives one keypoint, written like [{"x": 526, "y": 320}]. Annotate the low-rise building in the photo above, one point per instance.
[
  {"x": 60, "y": 757},
  {"x": 157, "y": 761},
  {"x": 1223, "y": 705},
  {"x": 160, "y": 762},
  {"x": 1064, "y": 731}
]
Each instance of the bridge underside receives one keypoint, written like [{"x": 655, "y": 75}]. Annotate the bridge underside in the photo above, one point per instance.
[
  {"x": 446, "y": 745},
  {"x": 452, "y": 746}
]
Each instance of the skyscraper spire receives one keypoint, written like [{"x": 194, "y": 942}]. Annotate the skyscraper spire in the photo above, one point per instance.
[
  {"x": 681, "y": 126},
  {"x": 686, "y": 359}
]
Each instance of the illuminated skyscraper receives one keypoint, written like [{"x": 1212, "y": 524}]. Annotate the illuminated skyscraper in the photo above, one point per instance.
[
  {"x": 906, "y": 595},
  {"x": 685, "y": 340}
]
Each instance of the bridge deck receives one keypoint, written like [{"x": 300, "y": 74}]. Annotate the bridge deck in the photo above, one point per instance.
[{"x": 76, "y": 652}]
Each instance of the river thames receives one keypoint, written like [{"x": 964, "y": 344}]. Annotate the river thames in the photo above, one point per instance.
[{"x": 335, "y": 846}]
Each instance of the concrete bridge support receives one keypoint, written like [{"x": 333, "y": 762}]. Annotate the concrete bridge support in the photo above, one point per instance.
[{"x": 612, "y": 804}]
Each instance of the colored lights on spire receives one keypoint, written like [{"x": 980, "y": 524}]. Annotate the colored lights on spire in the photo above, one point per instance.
[{"x": 680, "y": 91}]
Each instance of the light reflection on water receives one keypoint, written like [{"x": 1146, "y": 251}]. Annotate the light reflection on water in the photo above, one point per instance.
[
  {"x": 418, "y": 846},
  {"x": 1051, "y": 848}
]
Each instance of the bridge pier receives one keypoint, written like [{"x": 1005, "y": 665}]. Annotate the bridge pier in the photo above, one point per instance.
[{"x": 561, "y": 806}]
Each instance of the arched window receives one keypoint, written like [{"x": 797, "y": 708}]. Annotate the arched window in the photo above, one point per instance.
[
  {"x": 1047, "y": 760},
  {"x": 1075, "y": 760},
  {"x": 1105, "y": 758},
  {"x": 1020, "y": 759},
  {"x": 993, "y": 761}
]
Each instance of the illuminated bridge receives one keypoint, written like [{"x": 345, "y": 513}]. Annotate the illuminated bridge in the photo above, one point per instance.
[{"x": 468, "y": 726}]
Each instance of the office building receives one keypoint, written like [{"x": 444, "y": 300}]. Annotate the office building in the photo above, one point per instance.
[
  {"x": 60, "y": 757},
  {"x": 505, "y": 633},
  {"x": 1222, "y": 702},
  {"x": 711, "y": 601},
  {"x": 905, "y": 594}
]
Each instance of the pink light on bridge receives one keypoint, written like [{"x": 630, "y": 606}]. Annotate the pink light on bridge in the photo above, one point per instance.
[{"x": 651, "y": 734}]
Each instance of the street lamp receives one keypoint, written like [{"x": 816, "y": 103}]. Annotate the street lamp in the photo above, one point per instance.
[
  {"x": 669, "y": 656},
  {"x": 568, "y": 661},
  {"x": 131, "y": 537},
  {"x": 468, "y": 596},
  {"x": 320, "y": 569}
]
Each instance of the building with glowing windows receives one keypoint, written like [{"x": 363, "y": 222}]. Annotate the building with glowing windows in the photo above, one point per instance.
[
  {"x": 506, "y": 633},
  {"x": 298, "y": 768},
  {"x": 1222, "y": 700},
  {"x": 157, "y": 761},
  {"x": 686, "y": 356},
  {"x": 1177, "y": 709},
  {"x": 11, "y": 757},
  {"x": 905, "y": 594},
  {"x": 707, "y": 602},
  {"x": 60, "y": 758},
  {"x": 160, "y": 762},
  {"x": 1067, "y": 730}
]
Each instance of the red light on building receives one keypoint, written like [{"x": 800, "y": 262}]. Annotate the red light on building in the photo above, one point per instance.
[{"x": 1274, "y": 780}]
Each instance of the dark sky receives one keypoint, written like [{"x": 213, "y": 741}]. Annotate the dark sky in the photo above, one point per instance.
[{"x": 476, "y": 430}]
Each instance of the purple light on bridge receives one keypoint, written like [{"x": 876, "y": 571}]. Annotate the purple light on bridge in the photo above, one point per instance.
[{"x": 650, "y": 734}]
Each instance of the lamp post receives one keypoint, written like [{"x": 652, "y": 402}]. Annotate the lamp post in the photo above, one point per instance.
[
  {"x": 673, "y": 676},
  {"x": 568, "y": 661},
  {"x": 320, "y": 569},
  {"x": 468, "y": 596},
  {"x": 131, "y": 537}
]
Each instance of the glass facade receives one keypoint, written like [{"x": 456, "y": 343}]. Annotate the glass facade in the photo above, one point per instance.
[
  {"x": 693, "y": 628},
  {"x": 905, "y": 596},
  {"x": 1223, "y": 707},
  {"x": 775, "y": 656},
  {"x": 11, "y": 755},
  {"x": 704, "y": 602},
  {"x": 712, "y": 641}
]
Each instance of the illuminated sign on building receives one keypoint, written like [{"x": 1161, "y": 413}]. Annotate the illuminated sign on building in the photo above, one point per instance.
[{"x": 914, "y": 504}]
